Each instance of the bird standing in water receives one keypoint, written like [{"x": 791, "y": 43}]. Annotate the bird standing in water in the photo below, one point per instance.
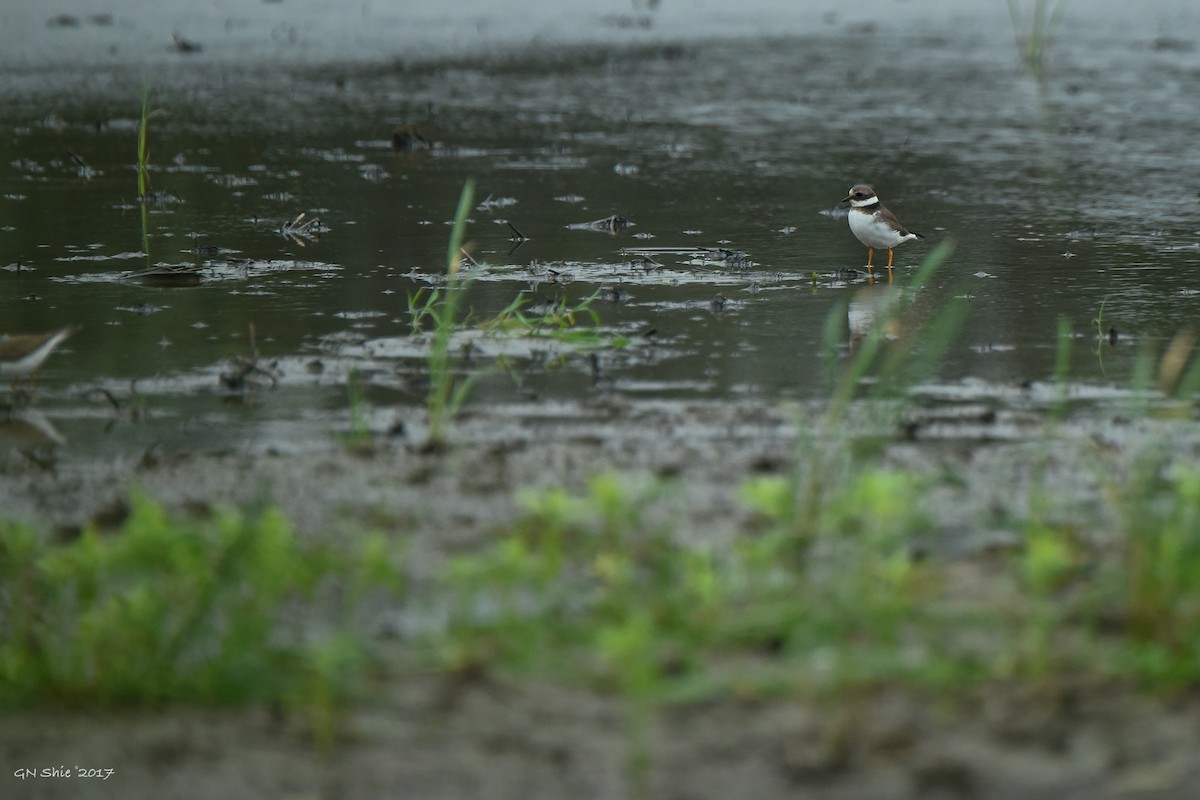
[
  {"x": 873, "y": 225},
  {"x": 21, "y": 356}
]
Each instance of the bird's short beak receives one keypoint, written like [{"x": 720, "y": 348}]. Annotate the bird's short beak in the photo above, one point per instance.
[{"x": 846, "y": 199}]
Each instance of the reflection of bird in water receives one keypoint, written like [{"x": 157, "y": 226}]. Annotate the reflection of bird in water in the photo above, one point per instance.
[
  {"x": 22, "y": 355},
  {"x": 874, "y": 225},
  {"x": 871, "y": 305},
  {"x": 408, "y": 137},
  {"x": 30, "y": 429}
]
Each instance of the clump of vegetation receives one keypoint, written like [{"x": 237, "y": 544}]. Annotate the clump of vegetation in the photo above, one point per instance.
[
  {"x": 597, "y": 588},
  {"x": 441, "y": 311},
  {"x": 169, "y": 610},
  {"x": 1160, "y": 572}
]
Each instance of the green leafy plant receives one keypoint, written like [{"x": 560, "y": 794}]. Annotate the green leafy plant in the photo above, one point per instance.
[
  {"x": 143, "y": 145},
  {"x": 422, "y": 307},
  {"x": 559, "y": 316},
  {"x": 442, "y": 309},
  {"x": 445, "y": 397},
  {"x": 1161, "y": 507},
  {"x": 596, "y": 585},
  {"x": 143, "y": 170},
  {"x": 180, "y": 611}
]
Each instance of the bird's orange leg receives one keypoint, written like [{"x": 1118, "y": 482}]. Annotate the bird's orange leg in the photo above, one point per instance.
[
  {"x": 890, "y": 253},
  {"x": 870, "y": 257}
]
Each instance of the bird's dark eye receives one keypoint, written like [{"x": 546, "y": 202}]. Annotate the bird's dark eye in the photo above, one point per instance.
[{"x": 858, "y": 195}]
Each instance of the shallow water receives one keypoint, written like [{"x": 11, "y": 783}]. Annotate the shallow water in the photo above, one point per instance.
[{"x": 1064, "y": 196}]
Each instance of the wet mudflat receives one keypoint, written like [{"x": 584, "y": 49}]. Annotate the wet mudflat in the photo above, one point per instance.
[
  {"x": 684, "y": 189},
  {"x": 726, "y": 158}
]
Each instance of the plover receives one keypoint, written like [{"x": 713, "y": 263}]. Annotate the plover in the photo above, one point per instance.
[
  {"x": 22, "y": 355},
  {"x": 874, "y": 225}
]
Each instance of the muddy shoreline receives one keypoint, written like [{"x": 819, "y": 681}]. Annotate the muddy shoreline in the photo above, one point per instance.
[
  {"x": 497, "y": 738},
  {"x": 499, "y": 735}
]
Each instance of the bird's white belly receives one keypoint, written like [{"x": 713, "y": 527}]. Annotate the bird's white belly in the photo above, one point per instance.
[
  {"x": 22, "y": 366},
  {"x": 874, "y": 232}
]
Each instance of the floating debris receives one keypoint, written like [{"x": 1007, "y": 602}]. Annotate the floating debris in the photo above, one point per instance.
[
  {"x": 237, "y": 377},
  {"x": 333, "y": 155},
  {"x": 730, "y": 259},
  {"x": 211, "y": 250},
  {"x": 723, "y": 256},
  {"x": 614, "y": 294},
  {"x": 644, "y": 262},
  {"x": 408, "y": 137},
  {"x": 517, "y": 235},
  {"x": 82, "y": 168},
  {"x": 233, "y": 181},
  {"x": 143, "y": 309},
  {"x": 27, "y": 165},
  {"x": 302, "y": 229},
  {"x": 610, "y": 224},
  {"x": 550, "y": 162},
  {"x": 353, "y": 315},
  {"x": 168, "y": 275},
  {"x": 490, "y": 204},
  {"x": 373, "y": 173},
  {"x": 127, "y": 255},
  {"x": 160, "y": 198}
]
